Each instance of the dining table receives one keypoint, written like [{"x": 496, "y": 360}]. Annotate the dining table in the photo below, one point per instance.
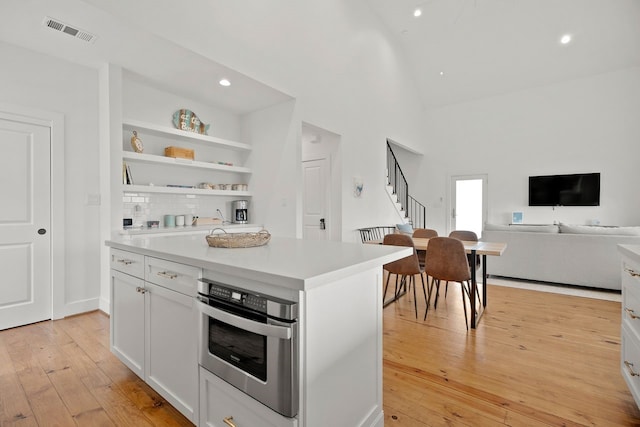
[{"x": 474, "y": 248}]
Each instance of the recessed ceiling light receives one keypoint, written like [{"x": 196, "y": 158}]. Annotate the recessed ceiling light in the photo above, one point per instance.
[
  {"x": 224, "y": 82},
  {"x": 417, "y": 12},
  {"x": 565, "y": 39},
  {"x": 442, "y": 73}
]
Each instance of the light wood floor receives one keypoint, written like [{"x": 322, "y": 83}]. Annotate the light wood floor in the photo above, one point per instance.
[
  {"x": 536, "y": 359},
  {"x": 62, "y": 373}
]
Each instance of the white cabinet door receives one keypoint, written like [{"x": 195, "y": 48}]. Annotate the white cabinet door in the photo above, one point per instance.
[
  {"x": 222, "y": 405},
  {"x": 127, "y": 320},
  {"x": 171, "y": 365}
]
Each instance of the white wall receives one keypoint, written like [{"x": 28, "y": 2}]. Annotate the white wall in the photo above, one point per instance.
[
  {"x": 274, "y": 161},
  {"x": 43, "y": 82},
  {"x": 585, "y": 125},
  {"x": 335, "y": 58}
]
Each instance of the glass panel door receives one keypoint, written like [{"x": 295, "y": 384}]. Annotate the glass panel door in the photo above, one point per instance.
[{"x": 468, "y": 198}]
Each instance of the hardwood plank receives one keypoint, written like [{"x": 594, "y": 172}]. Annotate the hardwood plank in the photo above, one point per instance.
[
  {"x": 47, "y": 406},
  {"x": 94, "y": 418},
  {"x": 554, "y": 354},
  {"x": 122, "y": 411},
  {"x": 141, "y": 395},
  {"x": 536, "y": 359}
]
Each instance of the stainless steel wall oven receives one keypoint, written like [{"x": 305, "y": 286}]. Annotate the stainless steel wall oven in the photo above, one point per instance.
[{"x": 250, "y": 341}]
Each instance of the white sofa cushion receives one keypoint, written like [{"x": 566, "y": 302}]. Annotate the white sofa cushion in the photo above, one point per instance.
[
  {"x": 528, "y": 228},
  {"x": 594, "y": 229},
  {"x": 584, "y": 259}
]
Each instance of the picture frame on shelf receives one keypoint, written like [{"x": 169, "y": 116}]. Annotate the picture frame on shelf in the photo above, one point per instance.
[{"x": 516, "y": 217}]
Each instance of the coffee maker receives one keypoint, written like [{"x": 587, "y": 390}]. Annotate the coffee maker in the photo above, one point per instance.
[{"x": 239, "y": 210}]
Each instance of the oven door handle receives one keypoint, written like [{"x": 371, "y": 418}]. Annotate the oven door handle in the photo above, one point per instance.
[{"x": 282, "y": 332}]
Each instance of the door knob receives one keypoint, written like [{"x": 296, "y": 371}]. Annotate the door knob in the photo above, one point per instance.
[
  {"x": 42, "y": 231},
  {"x": 322, "y": 224}
]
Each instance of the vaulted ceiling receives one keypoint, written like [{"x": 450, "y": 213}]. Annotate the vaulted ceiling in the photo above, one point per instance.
[
  {"x": 488, "y": 47},
  {"x": 457, "y": 50}
]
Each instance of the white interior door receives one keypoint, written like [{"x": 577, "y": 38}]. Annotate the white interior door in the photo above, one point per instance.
[
  {"x": 25, "y": 218},
  {"x": 468, "y": 199},
  {"x": 315, "y": 225}
]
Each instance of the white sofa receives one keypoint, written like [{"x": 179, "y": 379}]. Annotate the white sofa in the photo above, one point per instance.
[{"x": 570, "y": 254}]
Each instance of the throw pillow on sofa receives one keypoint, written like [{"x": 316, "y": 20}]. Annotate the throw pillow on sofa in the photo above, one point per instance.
[{"x": 405, "y": 229}]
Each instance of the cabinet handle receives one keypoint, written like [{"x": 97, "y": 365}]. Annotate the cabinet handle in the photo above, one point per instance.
[
  {"x": 629, "y": 366},
  {"x": 631, "y": 272},
  {"x": 141, "y": 290},
  {"x": 229, "y": 421},
  {"x": 631, "y": 313},
  {"x": 125, "y": 261},
  {"x": 167, "y": 275}
]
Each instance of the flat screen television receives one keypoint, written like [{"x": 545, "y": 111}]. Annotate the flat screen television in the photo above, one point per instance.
[{"x": 581, "y": 189}]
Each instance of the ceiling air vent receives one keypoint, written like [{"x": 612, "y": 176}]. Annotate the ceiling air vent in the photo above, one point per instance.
[{"x": 55, "y": 24}]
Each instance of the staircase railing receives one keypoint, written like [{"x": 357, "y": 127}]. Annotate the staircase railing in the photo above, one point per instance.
[
  {"x": 417, "y": 213},
  {"x": 414, "y": 210}
]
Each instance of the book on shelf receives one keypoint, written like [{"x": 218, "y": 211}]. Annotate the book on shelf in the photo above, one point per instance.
[{"x": 126, "y": 174}]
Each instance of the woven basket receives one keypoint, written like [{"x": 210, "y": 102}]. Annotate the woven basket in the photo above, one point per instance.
[{"x": 237, "y": 240}]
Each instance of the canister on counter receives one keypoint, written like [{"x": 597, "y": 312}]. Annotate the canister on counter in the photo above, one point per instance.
[{"x": 169, "y": 220}]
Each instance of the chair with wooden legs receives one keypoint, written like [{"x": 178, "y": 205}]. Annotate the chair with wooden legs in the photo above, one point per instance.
[
  {"x": 447, "y": 261},
  {"x": 423, "y": 233},
  {"x": 466, "y": 236},
  {"x": 404, "y": 268}
]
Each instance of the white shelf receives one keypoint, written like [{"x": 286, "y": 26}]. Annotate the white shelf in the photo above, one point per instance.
[
  {"x": 180, "y": 190},
  {"x": 193, "y": 137},
  {"x": 150, "y": 158}
]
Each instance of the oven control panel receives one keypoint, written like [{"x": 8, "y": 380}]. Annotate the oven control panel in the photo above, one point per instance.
[
  {"x": 254, "y": 302},
  {"x": 271, "y": 306}
]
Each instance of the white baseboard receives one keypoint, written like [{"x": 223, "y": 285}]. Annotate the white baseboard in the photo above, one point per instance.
[
  {"x": 105, "y": 306},
  {"x": 81, "y": 306}
]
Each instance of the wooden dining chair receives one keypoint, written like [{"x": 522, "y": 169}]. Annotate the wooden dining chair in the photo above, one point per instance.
[
  {"x": 466, "y": 236},
  {"x": 407, "y": 267},
  {"x": 423, "y": 233},
  {"x": 447, "y": 261}
]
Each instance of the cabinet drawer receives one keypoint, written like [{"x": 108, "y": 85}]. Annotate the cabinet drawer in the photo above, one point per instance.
[
  {"x": 630, "y": 361},
  {"x": 128, "y": 262},
  {"x": 631, "y": 297},
  {"x": 172, "y": 275},
  {"x": 630, "y": 273},
  {"x": 220, "y": 401}
]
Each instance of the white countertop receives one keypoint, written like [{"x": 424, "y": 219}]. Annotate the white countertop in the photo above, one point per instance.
[
  {"x": 632, "y": 251},
  {"x": 288, "y": 262}
]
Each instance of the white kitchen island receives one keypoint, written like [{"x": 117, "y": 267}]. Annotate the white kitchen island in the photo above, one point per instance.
[{"x": 338, "y": 288}]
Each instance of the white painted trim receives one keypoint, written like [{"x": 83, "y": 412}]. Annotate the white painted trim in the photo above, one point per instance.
[
  {"x": 110, "y": 125},
  {"x": 105, "y": 305},
  {"x": 55, "y": 121},
  {"x": 82, "y": 306}
]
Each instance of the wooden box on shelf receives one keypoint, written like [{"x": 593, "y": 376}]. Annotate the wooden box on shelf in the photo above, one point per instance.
[
  {"x": 183, "y": 153},
  {"x": 207, "y": 221}
]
